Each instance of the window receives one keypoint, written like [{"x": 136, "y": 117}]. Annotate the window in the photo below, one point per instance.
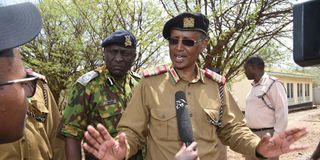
[
  {"x": 299, "y": 89},
  {"x": 307, "y": 90},
  {"x": 290, "y": 90}
]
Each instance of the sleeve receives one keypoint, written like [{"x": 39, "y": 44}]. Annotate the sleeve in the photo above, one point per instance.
[
  {"x": 57, "y": 143},
  {"x": 134, "y": 121},
  {"x": 74, "y": 120},
  {"x": 234, "y": 131},
  {"x": 278, "y": 99}
]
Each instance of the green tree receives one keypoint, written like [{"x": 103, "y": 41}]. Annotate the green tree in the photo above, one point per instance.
[
  {"x": 239, "y": 29},
  {"x": 69, "y": 43}
]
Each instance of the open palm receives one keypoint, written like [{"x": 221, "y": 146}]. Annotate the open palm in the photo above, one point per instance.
[{"x": 103, "y": 146}]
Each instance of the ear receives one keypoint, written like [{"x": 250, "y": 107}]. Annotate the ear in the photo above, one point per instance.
[{"x": 204, "y": 43}]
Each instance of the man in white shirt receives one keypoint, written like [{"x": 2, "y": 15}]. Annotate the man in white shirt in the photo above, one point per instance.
[{"x": 266, "y": 103}]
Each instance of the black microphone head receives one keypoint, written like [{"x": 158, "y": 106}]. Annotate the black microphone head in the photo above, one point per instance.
[{"x": 183, "y": 119}]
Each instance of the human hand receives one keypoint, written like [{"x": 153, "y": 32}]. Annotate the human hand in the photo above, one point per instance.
[
  {"x": 102, "y": 145},
  {"x": 282, "y": 143},
  {"x": 188, "y": 153}
]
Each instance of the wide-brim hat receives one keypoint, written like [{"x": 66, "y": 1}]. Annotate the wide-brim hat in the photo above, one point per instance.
[
  {"x": 186, "y": 21},
  {"x": 19, "y": 24}
]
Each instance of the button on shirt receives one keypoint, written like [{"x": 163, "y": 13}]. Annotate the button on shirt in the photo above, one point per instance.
[{"x": 257, "y": 113}]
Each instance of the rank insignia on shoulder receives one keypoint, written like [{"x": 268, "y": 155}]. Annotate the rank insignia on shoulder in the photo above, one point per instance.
[
  {"x": 214, "y": 76},
  {"x": 156, "y": 71},
  {"x": 31, "y": 73},
  {"x": 86, "y": 78}
]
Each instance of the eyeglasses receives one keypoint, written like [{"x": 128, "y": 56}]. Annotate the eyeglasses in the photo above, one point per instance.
[
  {"x": 186, "y": 42},
  {"x": 28, "y": 83}
]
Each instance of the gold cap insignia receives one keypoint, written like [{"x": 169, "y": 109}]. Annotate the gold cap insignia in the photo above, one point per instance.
[
  {"x": 188, "y": 22},
  {"x": 127, "y": 41}
]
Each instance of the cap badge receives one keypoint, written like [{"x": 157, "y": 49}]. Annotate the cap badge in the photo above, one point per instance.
[
  {"x": 188, "y": 22},
  {"x": 127, "y": 41}
]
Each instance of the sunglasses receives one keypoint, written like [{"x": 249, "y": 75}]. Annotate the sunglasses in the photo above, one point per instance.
[
  {"x": 29, "y": 84},
  {"x": 186, "y": 42}
]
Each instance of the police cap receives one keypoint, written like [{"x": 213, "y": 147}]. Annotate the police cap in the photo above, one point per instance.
[
  {"x": 186, "y": 22},
  {"x": 122, "y": 38}
]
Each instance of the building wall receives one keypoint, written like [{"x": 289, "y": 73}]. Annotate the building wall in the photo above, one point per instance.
[{"x": 241, "y": 88}]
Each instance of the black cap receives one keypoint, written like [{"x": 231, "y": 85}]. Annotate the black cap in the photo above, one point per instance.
[
  {"x": 19, "y": 24},
  {"x": 187, "y": 22},
  {"x": 122, "y": 38}
]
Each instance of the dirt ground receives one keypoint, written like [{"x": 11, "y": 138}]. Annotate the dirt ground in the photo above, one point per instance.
[{"x": 307, "y": 118}]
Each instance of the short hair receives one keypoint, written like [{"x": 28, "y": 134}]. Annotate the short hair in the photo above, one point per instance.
[
  {"x": 7, "y": 53},
  {"x": 256, "y": 61}
]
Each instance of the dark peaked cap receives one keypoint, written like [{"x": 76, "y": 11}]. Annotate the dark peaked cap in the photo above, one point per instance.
[
  {"x": 186, "y": 22},
  {"x": 19, "y": 24},
  {"x": 122, "y": 38}
]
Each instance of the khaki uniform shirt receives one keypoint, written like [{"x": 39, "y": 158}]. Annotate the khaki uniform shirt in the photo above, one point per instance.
[
  {"x": 258, "y": 115},
  {"x": 151, "y": 116},
  {"x": 40, "y": 141}
]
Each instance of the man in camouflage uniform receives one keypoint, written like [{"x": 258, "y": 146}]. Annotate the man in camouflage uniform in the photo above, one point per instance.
[
  {"x": 101, "y": 95},
  {"x": 40, "y": 141}
]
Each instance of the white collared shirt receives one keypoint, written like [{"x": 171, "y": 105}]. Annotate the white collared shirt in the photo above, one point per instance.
[{"x": 258, "y": 115}]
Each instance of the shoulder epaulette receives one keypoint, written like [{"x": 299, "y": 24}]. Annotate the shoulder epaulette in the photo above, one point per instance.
[
  {"x": 86, "y": 78},
  {"x": 30, "y": 72},
  {"x": 214, "y": 76},
  {"x": 273, "y": 78},
  {"x": 156, "y": 71}
]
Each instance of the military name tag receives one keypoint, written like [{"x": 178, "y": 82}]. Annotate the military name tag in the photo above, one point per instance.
[{"x": 110, "y": 101}]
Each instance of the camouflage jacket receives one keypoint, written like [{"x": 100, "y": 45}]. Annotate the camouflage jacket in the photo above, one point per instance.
[{"x": 96, "y": 98}]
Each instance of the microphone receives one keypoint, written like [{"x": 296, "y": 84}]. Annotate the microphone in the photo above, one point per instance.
[{"x": 184, "y": 123}]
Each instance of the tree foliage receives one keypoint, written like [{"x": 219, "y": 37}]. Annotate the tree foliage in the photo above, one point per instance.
[
  {"x": 239, "y": 29},
  {"x": 69, "y": 43}
]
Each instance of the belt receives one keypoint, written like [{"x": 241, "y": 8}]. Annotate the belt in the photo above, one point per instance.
[{"x": 260, "y": 129}]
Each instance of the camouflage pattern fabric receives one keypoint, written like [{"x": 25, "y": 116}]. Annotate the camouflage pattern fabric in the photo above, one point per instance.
[{"x": 96, "y": 98}]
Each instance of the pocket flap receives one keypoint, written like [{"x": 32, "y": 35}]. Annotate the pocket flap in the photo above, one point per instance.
[
  {"x": 212, "y": 113},
  {"x": 163, "y": 114}
]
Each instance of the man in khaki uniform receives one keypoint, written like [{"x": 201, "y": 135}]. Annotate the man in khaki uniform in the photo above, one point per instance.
[
  {"x": 40, "y": 141},
  {"x": 151, "y": 113},
  {"x": 19, "y": 24}
]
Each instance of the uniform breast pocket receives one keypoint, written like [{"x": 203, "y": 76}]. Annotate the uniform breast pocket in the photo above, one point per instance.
[
  {"x": 208, "y": 130},
  {"x": 110, "y": 116},
  {"x": 163, "y": 124}
]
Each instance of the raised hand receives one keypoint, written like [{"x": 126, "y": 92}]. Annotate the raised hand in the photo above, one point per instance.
[
  {"x": 188, "y": 153},
  {"x": 282, "y": 143},
  {"x": 102, "y": 145}
]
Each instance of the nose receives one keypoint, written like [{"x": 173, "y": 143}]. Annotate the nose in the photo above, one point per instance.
[
  {"x": 180, "y": 45},
  {"x": 118, "y": 57}
]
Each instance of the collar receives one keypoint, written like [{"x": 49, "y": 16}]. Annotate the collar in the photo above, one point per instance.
[
  {"x": 175, "y": 78},
  {"x": 262, "y": 79},
  {"x": 110, "y": 79}
]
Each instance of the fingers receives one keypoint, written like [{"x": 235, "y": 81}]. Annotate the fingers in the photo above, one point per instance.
[
  {"x": 91, "y": 140},
  {"x": 193, "y": 146},
  {"x": 298, "y": 147},
  {"x": 122, "y": 140},
  {"x": 91, "y": 150},
  {"x": 103, "y": 131},
  {"x": 95, "y": 134}
]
